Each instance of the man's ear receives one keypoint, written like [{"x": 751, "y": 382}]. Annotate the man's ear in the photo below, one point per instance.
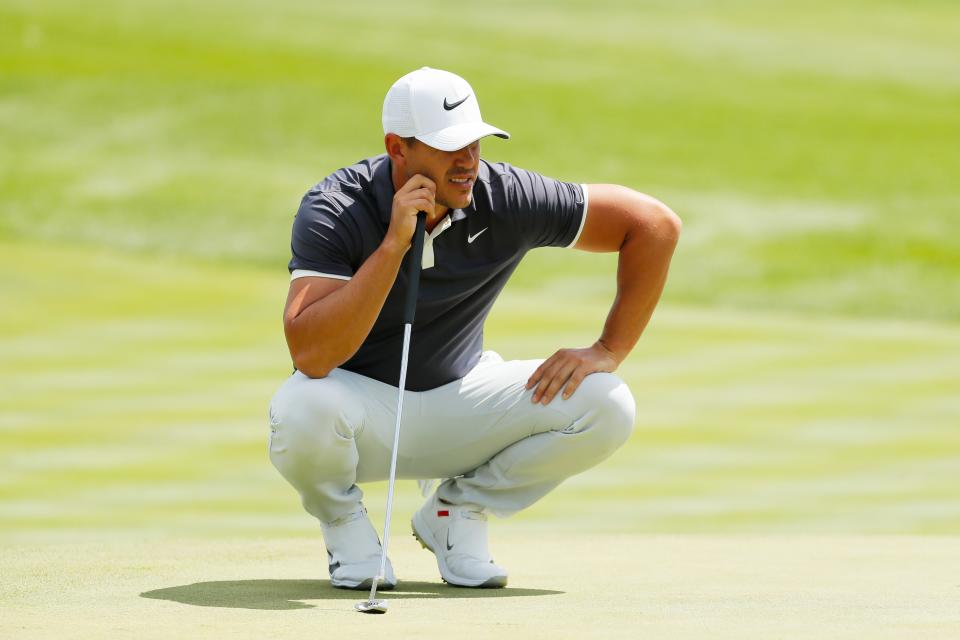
[{"x": 395, "y": 146}]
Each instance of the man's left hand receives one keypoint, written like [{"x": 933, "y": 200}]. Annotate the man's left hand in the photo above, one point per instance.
[{"x": 566, "y": 369}]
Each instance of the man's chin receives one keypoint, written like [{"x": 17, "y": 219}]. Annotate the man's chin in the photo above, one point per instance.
[{"x": 458, "y": 203}]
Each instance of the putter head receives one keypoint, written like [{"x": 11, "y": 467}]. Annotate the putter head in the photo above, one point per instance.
[{"x": 372, "y": 606}]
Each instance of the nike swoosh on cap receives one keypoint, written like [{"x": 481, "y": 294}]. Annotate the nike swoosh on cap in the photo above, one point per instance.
[{"x": 453, "y": 105}]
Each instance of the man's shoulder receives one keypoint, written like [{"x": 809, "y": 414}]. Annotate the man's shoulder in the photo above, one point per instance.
[
  {"x": 357, "y": 184},
  {"x": 491, "y": 172},
  {"x": 505, "y": 182},
  {"x": 495, "y": 177},
  {"x": 504, "y": 174},
  {"x": 357, "y": 177}
]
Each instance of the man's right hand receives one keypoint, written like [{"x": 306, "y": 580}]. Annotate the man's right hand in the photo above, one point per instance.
[{"x": 418, "y": 194}]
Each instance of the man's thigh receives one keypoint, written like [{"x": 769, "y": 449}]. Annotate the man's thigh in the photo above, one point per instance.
[{"x": 455, "y": 428}]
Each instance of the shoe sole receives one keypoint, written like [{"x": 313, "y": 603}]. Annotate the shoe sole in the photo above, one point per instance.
[
  {"x": 496, "y": 582},
  {"x": 364, "y": 585}
]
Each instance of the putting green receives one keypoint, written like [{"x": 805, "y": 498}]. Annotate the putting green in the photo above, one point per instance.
[{"x": 565, "y": 585}]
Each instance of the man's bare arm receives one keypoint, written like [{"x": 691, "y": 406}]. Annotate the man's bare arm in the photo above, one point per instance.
[
  {"x": 644, "y": 231},
  {"x": 326, "y": 320}
]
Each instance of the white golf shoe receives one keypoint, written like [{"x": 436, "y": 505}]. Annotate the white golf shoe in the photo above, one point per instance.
[
  {"x": 353, "y": 553},
  {"x": 457, "y": 536}
]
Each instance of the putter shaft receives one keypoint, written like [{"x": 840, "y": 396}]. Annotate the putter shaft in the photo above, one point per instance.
[
  {"x": 372, "y": 605},
  {"x": 393, "y": 462}
]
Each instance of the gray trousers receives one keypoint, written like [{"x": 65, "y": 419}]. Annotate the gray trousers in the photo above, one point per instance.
[{"x": 494, "y": 447}]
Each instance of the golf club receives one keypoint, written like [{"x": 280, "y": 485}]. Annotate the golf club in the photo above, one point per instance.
[{"x": 372, "y": 605}]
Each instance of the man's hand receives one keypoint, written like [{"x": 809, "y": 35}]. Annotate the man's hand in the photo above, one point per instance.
[
  {"x": 417, "y": 194},
  {"x": 566, "y": 369}
]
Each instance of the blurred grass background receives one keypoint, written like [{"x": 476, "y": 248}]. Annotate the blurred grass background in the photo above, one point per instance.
[{"x": 801, "y": 374}]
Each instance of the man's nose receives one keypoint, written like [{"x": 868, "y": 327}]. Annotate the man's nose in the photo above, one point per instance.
[{"x": 467, "y": 156}]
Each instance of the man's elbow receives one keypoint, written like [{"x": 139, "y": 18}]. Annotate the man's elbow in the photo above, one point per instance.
[
  {"x": 311, "y": 369},
  {"x": 657, "y": 220},
  {"x": 669, "y": 225},
  {"x": 307, "y": 358}
]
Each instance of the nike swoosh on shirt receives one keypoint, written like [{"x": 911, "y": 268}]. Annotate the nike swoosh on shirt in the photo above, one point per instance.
[
  {"x": 449, "y": 546},
  {"x": 453, "y": 105},
  {"x": 470, "y": 238}
]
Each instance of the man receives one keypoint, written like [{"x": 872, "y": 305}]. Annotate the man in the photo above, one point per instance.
[{"x": 502, "y": 434}]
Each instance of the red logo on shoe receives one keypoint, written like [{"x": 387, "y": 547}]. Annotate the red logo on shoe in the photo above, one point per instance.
[{"x": 443, "y": 514}]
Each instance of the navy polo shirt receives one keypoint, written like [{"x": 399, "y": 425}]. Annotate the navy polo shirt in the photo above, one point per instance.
[{"x": 468, "y": 258}]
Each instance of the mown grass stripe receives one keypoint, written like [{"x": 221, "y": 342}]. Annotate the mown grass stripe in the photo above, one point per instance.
[{"x": 746, "y": 421}]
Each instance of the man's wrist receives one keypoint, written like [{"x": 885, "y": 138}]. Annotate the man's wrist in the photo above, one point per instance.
[
  {"x": 393, "y": 249},
  {"x": 608, "y": 350}
]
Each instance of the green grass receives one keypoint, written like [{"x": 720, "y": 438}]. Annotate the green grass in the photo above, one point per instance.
[
  {"x": 800, "y": 376},
  {"x": 810, "y": 150},
  {"x": 135, "y": 393},
  {"x": 678, "y": 587}
]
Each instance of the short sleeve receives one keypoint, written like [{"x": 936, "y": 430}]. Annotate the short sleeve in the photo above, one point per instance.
[
  {"x": 548, "y": 212},
  {"x": 323, "y": 241}
]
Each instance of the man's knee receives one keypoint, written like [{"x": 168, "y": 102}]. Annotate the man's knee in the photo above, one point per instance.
[
  {"x": 614, "y": 411},
  {"x": 307, "y": 412}
]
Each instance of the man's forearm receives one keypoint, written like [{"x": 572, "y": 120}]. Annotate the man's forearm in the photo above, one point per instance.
[
  {"x": 327, "y": 333},
  {"x": 641, "y": 274},
  {"x": 644, "y": 231}
]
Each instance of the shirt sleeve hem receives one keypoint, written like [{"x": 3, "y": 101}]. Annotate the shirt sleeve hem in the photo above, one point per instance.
[
  {"x": 583, "y": 218},
  {"x": 305, "y": 273}
]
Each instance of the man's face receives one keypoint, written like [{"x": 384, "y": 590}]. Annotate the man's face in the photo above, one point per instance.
[{"x": 454, "y": 172}]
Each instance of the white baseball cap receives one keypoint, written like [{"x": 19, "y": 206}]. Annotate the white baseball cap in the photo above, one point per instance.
[{"x": 436, "y": 107}]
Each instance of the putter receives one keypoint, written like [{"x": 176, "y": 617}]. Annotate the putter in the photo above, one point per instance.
[{"x": 371, "y": 604}]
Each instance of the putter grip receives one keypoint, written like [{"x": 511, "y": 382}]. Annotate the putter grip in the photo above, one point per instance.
[{"x": 413, "y": 279}]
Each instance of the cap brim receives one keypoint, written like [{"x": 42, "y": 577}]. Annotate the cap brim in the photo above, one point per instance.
[{"x": 460, "y": 135}]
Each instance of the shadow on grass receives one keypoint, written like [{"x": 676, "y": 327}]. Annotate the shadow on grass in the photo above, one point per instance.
[{"x": 289, "y": 594}]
